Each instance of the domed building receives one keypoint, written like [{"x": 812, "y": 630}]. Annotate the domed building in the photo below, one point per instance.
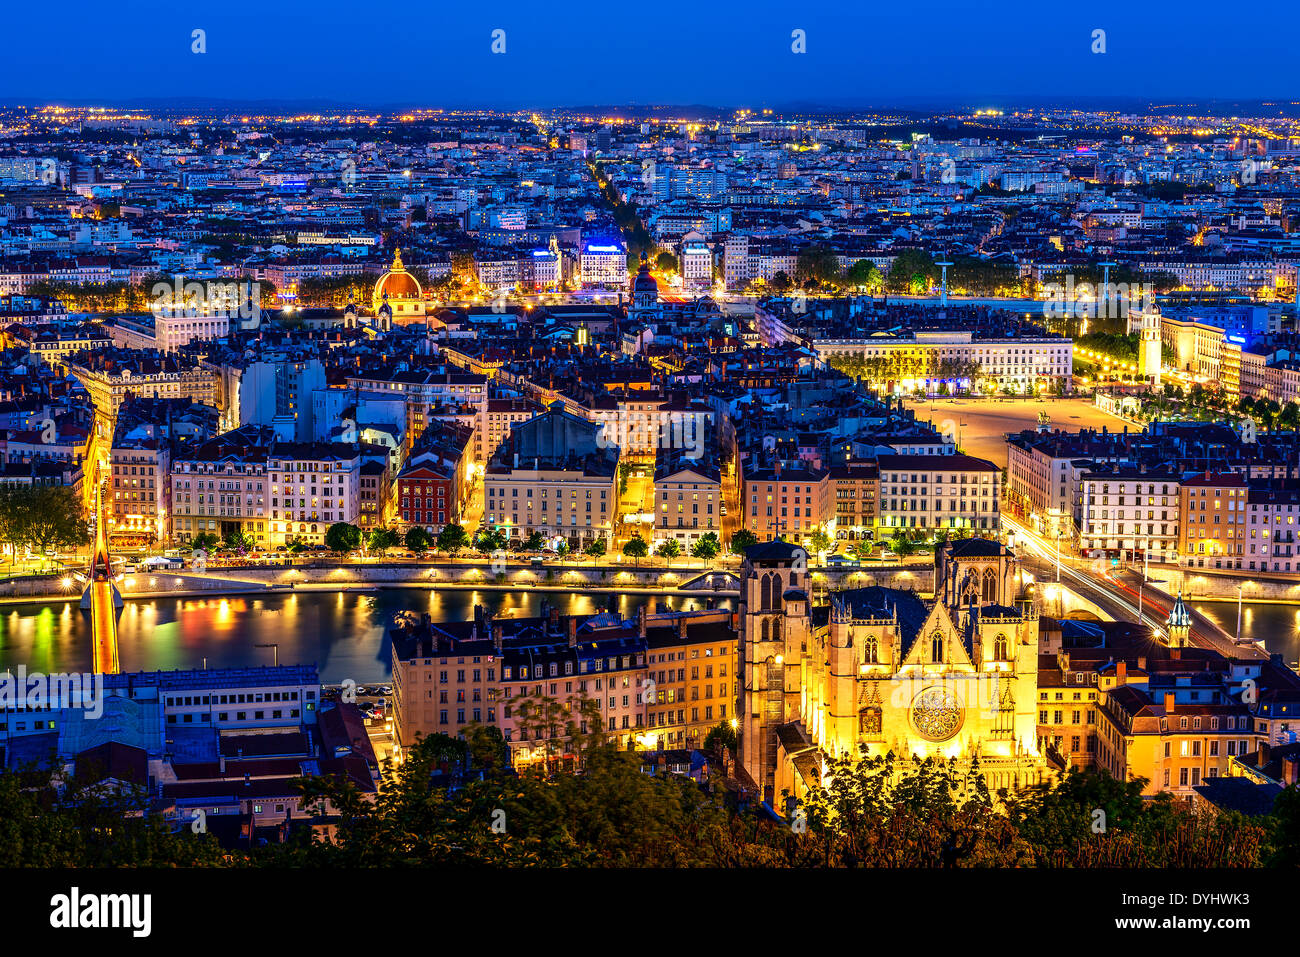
[
  {"x": 398, "y": 298},
  {"x": 645, "y": 293}
]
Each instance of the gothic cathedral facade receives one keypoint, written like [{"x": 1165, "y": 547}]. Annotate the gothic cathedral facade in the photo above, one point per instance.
[{"x": 883, "y": 670}]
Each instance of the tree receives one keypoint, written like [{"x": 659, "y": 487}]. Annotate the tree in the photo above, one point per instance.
[
  {"x": 913, "y": 271},
  {"x": 382, "y": 539},
  {"x": 668, "y": 549},
  {"x": 863, "y": 274},
  {"x": 452, "y": 538},
  {"x": 418, "y": 539},
  {"x": 817, "y": 264},
  {"x": 489, "y": 540},
  {"x": 707, "y": 547},
  {"x": 343, "y": 538},
  {"x": 205, "y": 541},
  {"x": 595, "y": 548},
  {"x": 636, "y": 548},
  {"x": 666, "y": 262},
  {"x": 721, "y": 735},
  {"x": 820, "y": 541},
  {"x": 533, "y": 543},
  {"x": 42, "y": 516},
  {"x": 741, "y": 539},
  {"x": 236, "y": 541}
]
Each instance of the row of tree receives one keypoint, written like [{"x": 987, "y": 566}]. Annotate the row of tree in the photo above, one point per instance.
[{"x": 456, "y": 802}]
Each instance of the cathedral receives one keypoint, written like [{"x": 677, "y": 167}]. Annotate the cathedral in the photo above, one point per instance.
[{"x": 955, "y": 676}]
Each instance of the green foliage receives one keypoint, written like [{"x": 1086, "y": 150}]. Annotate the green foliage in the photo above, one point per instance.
[
  {"x": 382, "y": 539},
  {"x": 721, "y": 736},
  {"x": 418, "y": 539},
  {"x": 83, "y": 825},
  {"x": 668, "y": 549},
  {"x": 489, "y": 540},
  {"x": 741, "y": 539},
  {"x": 635, "y": 547},
  {"x": 912, "y": 271},
  {"x": 706, "y": 547},
  {"x": 817, "y": 264},
  {"x": 820, "y": 541},
  {"x": 456, "y": 802},
  {"x": 595, "y": 548},
  {"x": 666, "y": 262},
  {"x": 42, "y": 516},
  {"x": 452, "y": 538},
  {"x": 207, "y": 541},
  {"x": 343, "y": 538},
  {"x": 863, "y": 274}
]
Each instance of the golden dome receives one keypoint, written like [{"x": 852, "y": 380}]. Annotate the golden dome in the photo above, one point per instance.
[{"x": 397, "y": 283}]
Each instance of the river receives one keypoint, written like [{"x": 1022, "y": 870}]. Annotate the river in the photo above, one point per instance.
[
  {"x": 1277, "y": 624},
  {"x": 343, "y": 633}
]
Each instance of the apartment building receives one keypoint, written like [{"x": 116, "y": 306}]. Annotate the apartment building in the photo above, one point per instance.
[
  {"x": 662, "y": 680},
  {"x": 554, "y": 476},
  {"x": 1129, "y": 511},
  {"x": 932, "y": 492},
  {"x": 1139, "y": 709},
  {"x": 917, "y": 360},
  {"x": 786, "y": 501},
  {"x": 856, "y": 487},
  {"x": 1212, "y": 510},
  {"x": 140, "y": 491},
  {"x": 688, "y": 500},
  {"x": 312, "y": 486}
]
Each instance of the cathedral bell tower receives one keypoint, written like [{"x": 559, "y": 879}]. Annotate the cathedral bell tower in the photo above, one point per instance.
[{"x": 774, "y": 616}]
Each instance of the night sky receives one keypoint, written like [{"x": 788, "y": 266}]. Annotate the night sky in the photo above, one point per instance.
[{"x": 717, "y": 52}]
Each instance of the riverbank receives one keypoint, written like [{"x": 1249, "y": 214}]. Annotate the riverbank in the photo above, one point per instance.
[{"x": 273, "y": 579}]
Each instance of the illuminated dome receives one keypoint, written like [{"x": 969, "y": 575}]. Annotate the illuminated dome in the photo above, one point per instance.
[
  {"x": 644, "y": 282},
  {"x": 399, "y": 292}
]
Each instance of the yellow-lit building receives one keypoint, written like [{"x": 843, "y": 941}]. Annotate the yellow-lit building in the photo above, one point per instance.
[{"x": 883, "y": 670}]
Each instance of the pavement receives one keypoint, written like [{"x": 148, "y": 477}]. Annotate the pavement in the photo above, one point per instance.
[{"x": 981, "y": 424}]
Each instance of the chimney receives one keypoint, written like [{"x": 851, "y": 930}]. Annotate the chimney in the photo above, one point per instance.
[
  {"x": 1121, "y": 672},
  {"x": 681, "y": 626},
  {"x": 497, "y": 629},
  {"x": 1142, "y": 662},
  {"x": 573, "y": 631},
  {"x": 1170, "y": 705},
  {"x": 1264, "y": 752},
  {"x": 642, "y": 617},
  {"x": 1290, "y": 770},
  {"x": 222, "y": 765}
]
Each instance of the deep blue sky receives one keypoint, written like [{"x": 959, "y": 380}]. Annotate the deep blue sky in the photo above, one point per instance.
[{"x": 713, "y": 52}]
